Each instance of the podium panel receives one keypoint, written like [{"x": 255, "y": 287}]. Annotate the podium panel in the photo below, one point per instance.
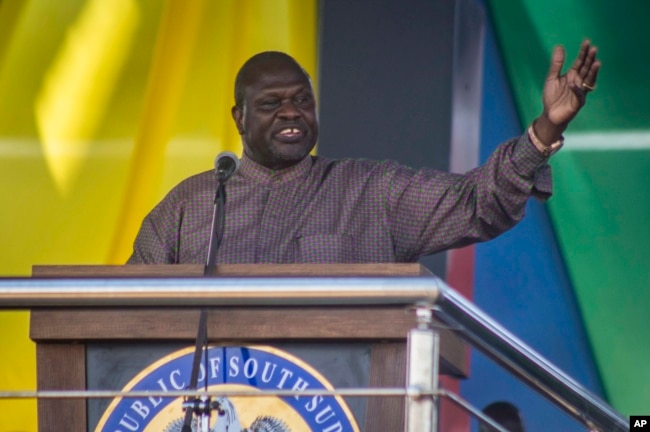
[{"x": 99, "y": 342}]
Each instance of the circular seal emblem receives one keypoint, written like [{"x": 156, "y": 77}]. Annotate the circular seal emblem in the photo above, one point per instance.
[{"x": 231, "y": 368}]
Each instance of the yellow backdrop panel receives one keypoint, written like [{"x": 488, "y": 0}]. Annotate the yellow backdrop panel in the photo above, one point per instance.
[{"x": 106, "y": 105}]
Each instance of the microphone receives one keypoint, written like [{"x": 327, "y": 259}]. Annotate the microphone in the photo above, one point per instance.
[{"x": 225, "y": 165}]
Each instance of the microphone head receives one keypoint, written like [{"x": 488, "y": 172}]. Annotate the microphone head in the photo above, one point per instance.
[{"x": 225, "y": 165}]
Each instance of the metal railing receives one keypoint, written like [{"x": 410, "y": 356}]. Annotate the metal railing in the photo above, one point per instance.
[
  {"x": 430, "y": 296},
  {"x": 497, "y": 343}
]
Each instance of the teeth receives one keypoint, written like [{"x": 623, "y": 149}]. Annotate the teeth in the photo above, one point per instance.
[{"x": 289, "y": 131}]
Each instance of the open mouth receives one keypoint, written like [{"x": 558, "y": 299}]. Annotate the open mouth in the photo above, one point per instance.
[{"x": 289, "y": 135}]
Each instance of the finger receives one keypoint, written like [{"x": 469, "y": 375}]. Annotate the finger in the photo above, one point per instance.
[
  {"x": 557, "y": 61},
  {"x": 589, "y": 61},
  {"x": 592, "y": 75},
  {"x": 582, "y": 55}
]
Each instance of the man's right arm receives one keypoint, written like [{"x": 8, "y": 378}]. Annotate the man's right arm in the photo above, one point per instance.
[{"x": 156, "y": 242}]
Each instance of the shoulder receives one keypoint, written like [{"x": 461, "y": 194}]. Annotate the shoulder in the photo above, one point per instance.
[
  {"x": 191, "y": 188},
  {"x": 197, "y": 182}
]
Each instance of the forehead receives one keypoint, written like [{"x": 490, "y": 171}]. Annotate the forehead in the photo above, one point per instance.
[{"x": 275, "y": 75}]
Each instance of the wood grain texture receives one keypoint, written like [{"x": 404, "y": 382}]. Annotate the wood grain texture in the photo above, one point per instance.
[
  {"x": 240, "y": 324},
  {"x": 61, "y": 367},
  {"x": 244, "y": 270},
  {"x": 387, "y": 369}
]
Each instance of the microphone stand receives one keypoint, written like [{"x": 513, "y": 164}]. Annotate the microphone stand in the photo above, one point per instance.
[
  {"x": 202, "y": 407},
  {"x": 192, "y": 404},
  {"x": 218, "y": 222}
]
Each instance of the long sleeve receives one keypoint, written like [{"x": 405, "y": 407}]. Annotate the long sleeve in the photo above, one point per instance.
[
  {"x": 156, "y": 241},
  {"x": 429, "y": 211}
]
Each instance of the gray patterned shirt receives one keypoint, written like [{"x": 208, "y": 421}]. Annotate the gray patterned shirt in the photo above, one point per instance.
[{"x": 344, "y": 211}]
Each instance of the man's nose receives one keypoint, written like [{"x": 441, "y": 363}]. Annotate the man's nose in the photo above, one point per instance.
[{"x": 288, "y": 110}]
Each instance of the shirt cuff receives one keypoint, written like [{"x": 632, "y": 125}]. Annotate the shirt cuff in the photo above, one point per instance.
[{"x": 546, "y": 150}]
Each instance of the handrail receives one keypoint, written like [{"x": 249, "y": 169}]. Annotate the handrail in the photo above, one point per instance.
[
  {"x": 482, "y": 332},
  {"x": 216, "y": 291},
  {"x": 472, "y": 324}
]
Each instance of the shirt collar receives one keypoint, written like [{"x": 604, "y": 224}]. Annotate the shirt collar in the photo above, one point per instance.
[{"x": 253, "y": 171}]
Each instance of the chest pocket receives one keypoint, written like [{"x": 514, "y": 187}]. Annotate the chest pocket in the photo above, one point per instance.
[{"x": 327, "y": 248}]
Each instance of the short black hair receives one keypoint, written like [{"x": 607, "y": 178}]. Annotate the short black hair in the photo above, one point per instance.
[{"x": 252, "y": 63}]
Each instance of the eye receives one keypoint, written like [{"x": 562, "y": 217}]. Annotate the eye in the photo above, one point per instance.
[
  {"x": 269, "y": 104},
  {"x": 302, "y": 100}
]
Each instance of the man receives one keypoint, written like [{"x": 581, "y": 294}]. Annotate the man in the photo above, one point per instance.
[{"x": 285, "y": 206}]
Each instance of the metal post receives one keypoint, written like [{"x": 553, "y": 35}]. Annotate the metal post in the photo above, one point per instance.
[
  {"x": 422, "y": 374},
  {"x": 204, "y": 417}
]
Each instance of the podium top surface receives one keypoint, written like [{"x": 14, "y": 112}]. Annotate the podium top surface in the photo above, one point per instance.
[{"x": 240, "y": 270}]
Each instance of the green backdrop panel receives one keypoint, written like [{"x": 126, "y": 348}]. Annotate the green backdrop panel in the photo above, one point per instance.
[
  {"x": 600, "y": 213},
  {"x": 600, "y": 206}
]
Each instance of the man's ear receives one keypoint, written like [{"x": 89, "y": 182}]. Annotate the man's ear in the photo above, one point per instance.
[{"x": 238, "y": 116}]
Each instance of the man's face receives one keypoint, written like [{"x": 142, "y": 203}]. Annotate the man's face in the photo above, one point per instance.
[{"x": 278, "y": 121}]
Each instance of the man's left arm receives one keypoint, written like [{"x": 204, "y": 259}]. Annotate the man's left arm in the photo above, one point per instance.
[
  {"x": 429, "y": 211},
  {"x": 444, "y": 211}
]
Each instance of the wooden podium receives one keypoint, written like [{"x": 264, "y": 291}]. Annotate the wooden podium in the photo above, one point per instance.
[{"x": 64, "y": 329}]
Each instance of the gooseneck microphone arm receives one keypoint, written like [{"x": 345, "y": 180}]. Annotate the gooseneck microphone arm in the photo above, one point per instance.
[
  {"x": 225, "y": 166},
  {"x": 218, "y": 222}
]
